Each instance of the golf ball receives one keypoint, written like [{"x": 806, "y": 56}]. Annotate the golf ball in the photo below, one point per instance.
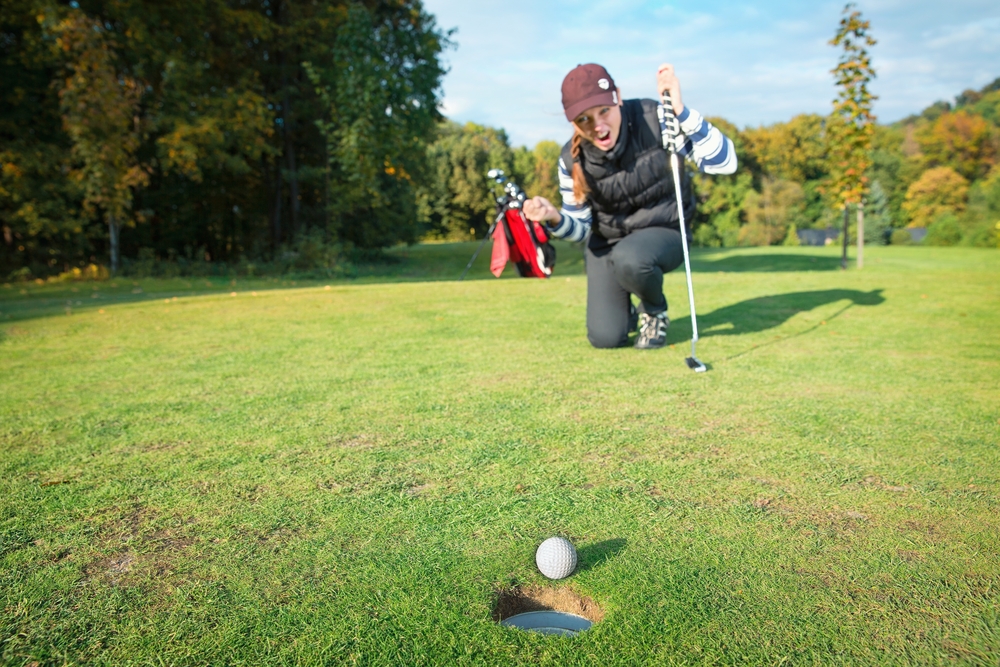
[{"x": 556, "y": 558}]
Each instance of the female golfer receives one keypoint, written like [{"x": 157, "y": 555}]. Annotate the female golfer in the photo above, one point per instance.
[{"x": 616, "y": 185}]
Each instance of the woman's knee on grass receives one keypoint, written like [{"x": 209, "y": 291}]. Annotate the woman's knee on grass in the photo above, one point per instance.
[{"x": 607, "y": 335}]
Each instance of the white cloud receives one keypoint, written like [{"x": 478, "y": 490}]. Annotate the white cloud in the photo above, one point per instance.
[
  {"x": 454, "y": 106},
  {"x": 752, "y": 64},
  {"x": 981, "y": 34}
]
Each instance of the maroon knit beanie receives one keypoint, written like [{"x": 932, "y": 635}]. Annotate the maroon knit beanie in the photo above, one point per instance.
[{"x": 585, "y": 87}]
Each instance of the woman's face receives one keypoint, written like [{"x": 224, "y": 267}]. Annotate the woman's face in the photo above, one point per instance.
[{"x": 601, "y": 125}]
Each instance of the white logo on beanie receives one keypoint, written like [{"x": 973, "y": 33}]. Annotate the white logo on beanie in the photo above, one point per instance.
[
  {"x": 614, "y": 97},
  {"x": 604, "y": 84}
]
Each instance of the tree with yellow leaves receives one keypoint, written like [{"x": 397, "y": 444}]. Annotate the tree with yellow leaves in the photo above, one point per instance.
[
  {"x": 961, "y": 140},
  {"x": 850, "y": 128},
  {"x": 938, "y": 191},
  {"x": 100, "y": 110}
]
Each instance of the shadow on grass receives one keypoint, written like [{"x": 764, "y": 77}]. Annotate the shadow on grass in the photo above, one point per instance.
[
  {"x": 593, "y": 555},
  {"x": 767, "y": 312},
  {"x": 766, "y": 263}
]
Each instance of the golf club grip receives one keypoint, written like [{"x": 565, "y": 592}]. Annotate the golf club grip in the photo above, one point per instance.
[{"x": 670, "y": 120}]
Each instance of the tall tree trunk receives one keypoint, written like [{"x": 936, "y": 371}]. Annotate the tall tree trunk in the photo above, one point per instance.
[
  {"x": 843, "y": 254},
  {"x": 282, "y": 18},
  {"x": 326, "y": 189},
  {"x": 276, "y": 212},
  {"x": 293, "y": 179},
  {"x": 861, "y": 235},
  {"x": 113, "y": 230}
]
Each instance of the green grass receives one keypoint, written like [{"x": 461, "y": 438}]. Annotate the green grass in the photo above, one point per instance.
[{"x": 347, "y": 475}]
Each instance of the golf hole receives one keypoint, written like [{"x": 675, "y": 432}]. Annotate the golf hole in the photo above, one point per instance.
[{"x": 550, "y": 611}]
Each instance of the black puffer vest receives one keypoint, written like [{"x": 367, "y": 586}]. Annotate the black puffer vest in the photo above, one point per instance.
[{"x": 631, "y": 186}]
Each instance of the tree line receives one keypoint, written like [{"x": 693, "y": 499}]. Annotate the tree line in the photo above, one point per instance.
[
  {"x": 935, "y": 170},
  {"x": 293, "y": 134},
  {"x": 207, "y": 131}
]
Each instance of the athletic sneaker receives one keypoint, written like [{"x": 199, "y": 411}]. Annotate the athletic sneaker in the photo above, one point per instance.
[{"x": 652, "y": 331}]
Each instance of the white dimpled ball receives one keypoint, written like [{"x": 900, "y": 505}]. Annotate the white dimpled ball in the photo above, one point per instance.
[{"x": 556, "y": 558}]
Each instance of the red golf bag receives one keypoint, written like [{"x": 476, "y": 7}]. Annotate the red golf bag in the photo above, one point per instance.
[
  {"x": 515, "y": 238},
  {"x": 522, "y": 242}
]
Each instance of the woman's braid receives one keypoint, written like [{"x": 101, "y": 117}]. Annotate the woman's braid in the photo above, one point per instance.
[{"x": 580, "y": 188}]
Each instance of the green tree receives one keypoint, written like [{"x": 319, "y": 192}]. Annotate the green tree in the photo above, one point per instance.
[
  {"x": 722, "y": 201},
  {"x": 892, "y": 170},
  {"x": 792, "y": 236},
  {"x": 780, "y": 205},
  {"x": 222, "y": 113},
  {"x": 987, "y": 193},
  {"x": 988, "y": 104},
  {"x": 42, "y": 227},
  {"x": 879, "y": 215},
  {"x": 851, "y": 125},
  {"x": 545, "y": 182},
  {"x": 378, "y": 95},
  {"x": 537, "y": 170},
  {"x": 792, "y": 151},
  {"x": 523, "y": 167},
  {"x": 983, "y": 216},
  {"x": 458, "y": 203}
]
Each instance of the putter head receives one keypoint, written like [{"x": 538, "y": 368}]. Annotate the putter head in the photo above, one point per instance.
[{"x": 695, "y": 365}]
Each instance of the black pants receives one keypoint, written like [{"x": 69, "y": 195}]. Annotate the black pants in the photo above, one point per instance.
[{"x": 634, "y": 265}]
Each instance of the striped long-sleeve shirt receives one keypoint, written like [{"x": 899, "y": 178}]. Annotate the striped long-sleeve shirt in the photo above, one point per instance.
[{"x": 710, "y": 150}]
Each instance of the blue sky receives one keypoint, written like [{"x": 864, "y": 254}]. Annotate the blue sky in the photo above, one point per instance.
[{"x": 750, "y": 63}]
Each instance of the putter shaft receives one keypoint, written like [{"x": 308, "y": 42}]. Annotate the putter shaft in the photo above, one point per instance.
[{"x": 673, "y": 129}]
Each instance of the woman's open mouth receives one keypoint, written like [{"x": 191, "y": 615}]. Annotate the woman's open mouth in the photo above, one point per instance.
[{"x": 603, "y": 138}]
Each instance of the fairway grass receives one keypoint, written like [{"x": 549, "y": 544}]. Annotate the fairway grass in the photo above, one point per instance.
[{"x": 208, "y": 472}]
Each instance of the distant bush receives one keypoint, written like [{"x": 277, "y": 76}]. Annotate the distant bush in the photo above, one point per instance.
[
  {"x": 88, "y": 272},
  {"x": 21, "y": 275},
  {"x": 944, "y": 231},
  {"x": 148, "y": 264},
  {"x": 755, "y": 234},
  {"x": 901, "y": 237},
  {"x": 985, "y": 234},
  {"x": 311, "y": 256},
  {"x": 792, "y": 237},
  {"x": 705, "y": 236}
]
